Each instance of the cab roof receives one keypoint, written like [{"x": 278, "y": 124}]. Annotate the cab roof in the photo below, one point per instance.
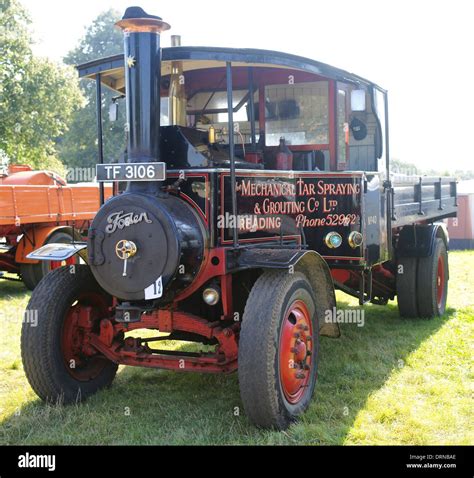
[{"x": 112, "y": 69}]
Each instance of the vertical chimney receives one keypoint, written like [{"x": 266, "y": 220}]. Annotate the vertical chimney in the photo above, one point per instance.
[
  {"x": 175, "y": 40},
  {"x": 177, "y": 94},
  {"x": 142, "y": 80}
]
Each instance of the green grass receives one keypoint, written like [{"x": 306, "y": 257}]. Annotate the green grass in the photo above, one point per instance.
[{"x": 390, "y": 382}]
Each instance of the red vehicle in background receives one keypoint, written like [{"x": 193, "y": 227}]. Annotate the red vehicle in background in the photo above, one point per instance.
[{"x": 38, "y": 208}]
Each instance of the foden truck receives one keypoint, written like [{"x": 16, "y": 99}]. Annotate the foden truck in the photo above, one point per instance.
[{"x": 256, "y": 184}]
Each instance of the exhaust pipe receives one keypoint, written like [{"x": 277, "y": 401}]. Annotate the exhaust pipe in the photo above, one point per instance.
[
  {"x": 177, "y": 95},
  {"x": 142, "y": 81}
]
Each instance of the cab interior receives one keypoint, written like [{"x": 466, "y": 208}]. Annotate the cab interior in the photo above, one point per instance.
[{"x": 329, "y": 125}]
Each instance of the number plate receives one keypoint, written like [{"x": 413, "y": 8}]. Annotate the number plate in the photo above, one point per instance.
[{"x": 131, "y": 172}]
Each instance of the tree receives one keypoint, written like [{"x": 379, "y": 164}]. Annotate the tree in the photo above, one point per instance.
[
  {"x": 37, "y": 97},
  {"x": 78, "y": 147},
  {"x": 402, "y": 167}
]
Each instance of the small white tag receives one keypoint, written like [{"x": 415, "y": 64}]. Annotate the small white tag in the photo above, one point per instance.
[{"x": 155, "y": 290}]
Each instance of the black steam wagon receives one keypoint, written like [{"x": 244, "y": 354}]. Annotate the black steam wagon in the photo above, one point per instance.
[{"x": 256, "y": 183}]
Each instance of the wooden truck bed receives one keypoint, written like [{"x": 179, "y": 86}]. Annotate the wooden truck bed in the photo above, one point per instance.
[{"x": 27, "y": 204}]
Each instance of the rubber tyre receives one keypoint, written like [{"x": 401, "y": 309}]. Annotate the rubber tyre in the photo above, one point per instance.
[
  {"x": 41, "y": 345},
  {"x": 427, "y": 292},
  {"x": 259, "y": 373},
  {"x": 407, "y": 287},
  {"x": 28, "y": 275},
  {"x": 31, "y": 274}
]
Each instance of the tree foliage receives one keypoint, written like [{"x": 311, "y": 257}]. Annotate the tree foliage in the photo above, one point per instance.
[
  {"x": 78, "y": 147},
  {"x": 37, "y": 96}
]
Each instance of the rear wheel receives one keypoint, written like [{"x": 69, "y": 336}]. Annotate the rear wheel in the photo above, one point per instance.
[
  {"x": 63, "y": 311},
  {"x": 433, "y": 281},
  {"x": 278, "y": 349},
  {"x": 407, "y": 287},
  {"x": 31, "y": 274}
]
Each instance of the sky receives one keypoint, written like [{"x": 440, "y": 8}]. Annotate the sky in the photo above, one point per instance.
[{"x": 419, "y": 50}]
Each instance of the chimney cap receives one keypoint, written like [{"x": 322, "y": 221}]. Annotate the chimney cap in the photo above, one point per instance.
[
  {"x": 137, "y": 12},
  {"x": 135, "y": 19}
]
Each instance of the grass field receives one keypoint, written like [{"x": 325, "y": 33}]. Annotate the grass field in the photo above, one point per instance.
[{"x": 390, "y": 382}]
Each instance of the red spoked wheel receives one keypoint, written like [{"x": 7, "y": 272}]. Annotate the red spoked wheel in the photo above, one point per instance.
[
  {"x": 82, "y": 319},
  {"x": 296, "y": 343}
]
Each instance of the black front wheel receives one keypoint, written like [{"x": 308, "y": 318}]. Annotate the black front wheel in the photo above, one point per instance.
[
  {"x": 64, "y": 309},
  {"x": 278, "y": 349}
]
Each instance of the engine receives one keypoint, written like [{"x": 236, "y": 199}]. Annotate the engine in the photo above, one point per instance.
[{"x": 143, "y": 247}]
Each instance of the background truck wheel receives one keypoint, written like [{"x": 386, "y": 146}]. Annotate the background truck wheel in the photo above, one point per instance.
[
  {"x": 278, "y": 349},
  {"x": 31, "y": 274},
  {"x": 433, "y": 281},
  {"x": 27, "y": 272},
  {"x": 59, "y": 364},
  {"x": 407, "y": 287}
]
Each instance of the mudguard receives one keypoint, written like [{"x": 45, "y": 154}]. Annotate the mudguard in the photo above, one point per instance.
[
  {"x": 40, "y": 234},
  {"x": 311, "y": 264},
  {"x": 56, "y": 252},
  {"x": 419, "y": 240}
]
